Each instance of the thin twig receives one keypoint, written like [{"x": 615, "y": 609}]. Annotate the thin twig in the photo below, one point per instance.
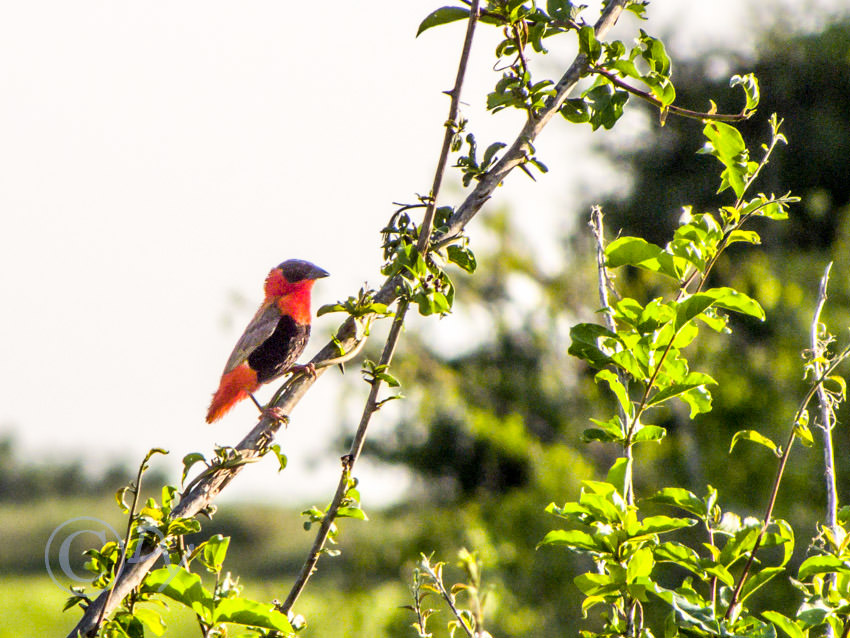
[
  {"x": 451, "y": 124},
  {"x": 131, "y": 515},
  {"x": 827, "y": 417},
  {"x": 347, "y": 465},
  {"x": 675, "y": 110},
  {"x": 774, "y": 492},
  {"x": 604, "y": 284}
]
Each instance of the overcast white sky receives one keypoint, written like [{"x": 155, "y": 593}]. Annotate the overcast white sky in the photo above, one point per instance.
[{"x": 156, "y": 159}]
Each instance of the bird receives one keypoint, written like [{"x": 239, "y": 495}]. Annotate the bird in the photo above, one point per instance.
[{"x": 274, "y": 338}]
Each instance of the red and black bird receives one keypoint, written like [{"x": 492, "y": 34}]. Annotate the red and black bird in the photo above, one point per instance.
[{"x": 275, "y": 338}]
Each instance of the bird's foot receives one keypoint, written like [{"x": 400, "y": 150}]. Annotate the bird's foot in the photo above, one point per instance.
[
  {"x": 274, "y": 413},
  {"x": 308, "y": 368}
]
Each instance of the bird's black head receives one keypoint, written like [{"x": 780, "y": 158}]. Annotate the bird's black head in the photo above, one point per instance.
[{"x": 298, "y": 270}]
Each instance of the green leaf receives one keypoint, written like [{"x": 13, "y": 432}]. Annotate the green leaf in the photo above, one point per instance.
[
  {"x": 215, "y": 551},
  {"x": 178, "y": 584},
  {"x": 791, "y": 629},
  {"x": 575, "y": 110},
  {"x": 587, "y": 343},
  {"x": 758, "y": 579},
  {"x": 151, "y": 619},
  {"x": 181, "y": 526},
  {"x": 618, "y": 389},
  {"x": 282, "y": 461},
  {"x": 610, "y": 430},
  {"x": 750, "y": 84},
  {"x": 698, "y": 399},
  {"x": 748, "y": 236},
  {"x": 681, "y": 555},
  {"x": 691, "y": 381},
  {"x": 620, "y": 469},
  {"x": 588, "y": 44},
  {"x": 443, "y": 15},
  {"x": 727, "y": 145},
  {"x": 649, "y": 433},
  {"x": 242, "y": 611},
  {"x": 690, "y": 613},
  {"x": 572, "y": 538},
  {"x": 692, "y": 307},
  {"x": 462, "y": 256},
  {"x": 755, "y": 437},
  {"x": 680, "y": 498},
  {"x": 601, "y": 506},
  {"x": 188, "y": 461},
  {"x": 637, "y": 252},
  {"x": 741, "y": 543},
  {"x": 662, "y": 524},
  {"x": 731, "y": 299},
  {"x": 351, "y": 512},
  {"x": 592, "y": 584},
  {"x": 640, "y": 565},
  {"x": 825, "y": 564}
]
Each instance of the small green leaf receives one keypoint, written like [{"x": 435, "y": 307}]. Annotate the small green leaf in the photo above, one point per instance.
[
  {"x": 215, "y": 551},
  {"x": 640, "y": 565},
  {"x": 824, "y": 564},
  {"x": 592, "y": 584},
  {"x": 691, "y": 381},
  {"x": 188, "y": 461},
  {"x": 731, "y": 299},
  {"x": 758, "y": 579},
  {"x": 443, "y": 15},
  {"x": 462, "y": 257},
  {"x": 588, "y": 44},
  {"x": 588, "y": 340},
  {"x": 755, "y": 437},
  {"x": 571, "y": 538},
  {"x": 750, "y": 84},
  {"x": 620, "y": 469},
  {"x": 151, "y": 619},
  {"x": 181, "y": 526},
  {"x": 682, "y": 555},
  {"x": 184, "y": 587},
  {"x": 637, "y": 252},
  {"x": 748, "y": 236},
  {"x": 662, "y": 524},
  {"x": 618, "y": 389},
  {"x": 649, "y": 433},
  {"x": 791, "y": 629},
  {"x": 242, "y": 611},
  {"x": 351, "y": 512},
  {"x": 575, "y": 110},
  {"x": 681, "y": 498}
]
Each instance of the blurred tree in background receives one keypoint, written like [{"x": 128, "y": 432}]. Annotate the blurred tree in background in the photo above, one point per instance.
[{"x": 496, "y": 429}]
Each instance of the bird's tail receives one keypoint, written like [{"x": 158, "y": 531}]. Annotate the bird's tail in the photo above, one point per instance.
[{"x": 234, "y": 387}]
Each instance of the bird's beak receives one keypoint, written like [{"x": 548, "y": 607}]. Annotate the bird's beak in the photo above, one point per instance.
[{"x": 318, "y": 273}]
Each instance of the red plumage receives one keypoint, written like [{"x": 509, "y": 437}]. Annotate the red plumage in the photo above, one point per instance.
[{"x": 274, "y": 338}]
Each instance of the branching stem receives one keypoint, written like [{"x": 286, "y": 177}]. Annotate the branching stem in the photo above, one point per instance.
[
  {"x": 675, "y": 110},
  {"x": 348, "y": 462}
]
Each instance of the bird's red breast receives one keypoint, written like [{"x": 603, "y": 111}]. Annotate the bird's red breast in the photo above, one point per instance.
[{"x": 274, "y": 338}]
